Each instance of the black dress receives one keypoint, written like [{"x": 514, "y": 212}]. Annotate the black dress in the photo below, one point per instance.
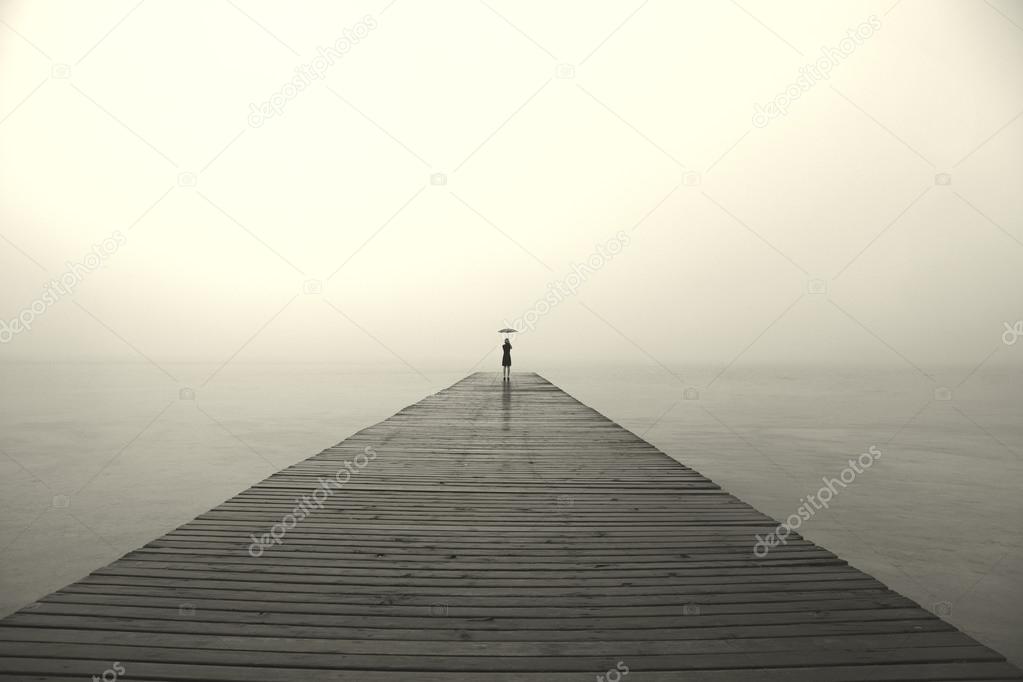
[{"x": 506, "y": 360}]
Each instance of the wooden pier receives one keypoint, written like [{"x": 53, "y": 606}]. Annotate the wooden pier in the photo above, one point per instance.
[{"x": 492, "y": 532}]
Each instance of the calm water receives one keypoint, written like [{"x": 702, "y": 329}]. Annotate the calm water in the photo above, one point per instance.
[{"x": 98, "y": 459}]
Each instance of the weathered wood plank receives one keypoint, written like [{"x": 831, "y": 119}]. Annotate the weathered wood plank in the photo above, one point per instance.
[{"x": 491, "y": 532}]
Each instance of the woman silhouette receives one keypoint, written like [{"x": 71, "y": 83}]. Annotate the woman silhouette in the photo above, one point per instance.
[{"x": 506, "y": 360}]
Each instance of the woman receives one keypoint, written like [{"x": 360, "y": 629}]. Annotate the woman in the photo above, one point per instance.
[{"x": 506, "y": 360}]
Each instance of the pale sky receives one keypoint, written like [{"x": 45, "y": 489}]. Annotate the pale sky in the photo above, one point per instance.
[{"x": 553, "y": 126}]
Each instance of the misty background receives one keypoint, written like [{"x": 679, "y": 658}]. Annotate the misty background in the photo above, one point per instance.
[
  {"x": 538, "y": 168},
  {"x": 845, "y": 273}
]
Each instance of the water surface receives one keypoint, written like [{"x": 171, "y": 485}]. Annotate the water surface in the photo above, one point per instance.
[{"x": 98, "y": 459}]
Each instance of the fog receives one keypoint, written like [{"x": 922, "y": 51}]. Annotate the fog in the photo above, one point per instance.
[{"x": 608, "y": 177}]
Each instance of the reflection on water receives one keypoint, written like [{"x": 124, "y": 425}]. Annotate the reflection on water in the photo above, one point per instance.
[{"x": 506, "y": 403}]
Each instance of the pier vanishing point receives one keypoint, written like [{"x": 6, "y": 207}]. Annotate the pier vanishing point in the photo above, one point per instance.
[{"x": 491, "y": 532}]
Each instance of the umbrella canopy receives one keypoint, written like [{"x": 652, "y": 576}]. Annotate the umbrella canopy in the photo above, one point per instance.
[{"x": 506, "y": 330}]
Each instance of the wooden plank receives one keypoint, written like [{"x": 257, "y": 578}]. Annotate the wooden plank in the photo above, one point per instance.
[
  {"x": 491, "y": 532},
  {"x": 21, "y": 668}
]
